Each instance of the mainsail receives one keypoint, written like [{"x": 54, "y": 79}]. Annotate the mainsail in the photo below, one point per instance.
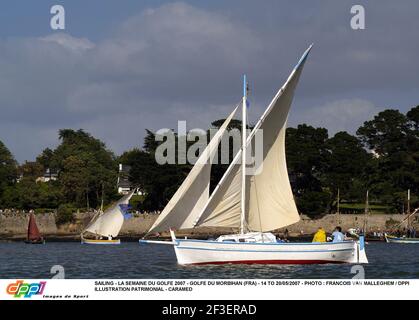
[
  {"x": 109, "y": 223},
  {"x": 184, "y": 207},
  {"x": 270, "y": 203},
  {"x": 33, "y": 231}
]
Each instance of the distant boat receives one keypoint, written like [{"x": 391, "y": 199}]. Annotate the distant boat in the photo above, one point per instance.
[
  {"x": 254, "y": 202},
  {"x": 105, "y": 226},
  {"x": 404, "y": 239},
  {"x": 34, "y": 236},
  {"x": 392, "y": 239}
]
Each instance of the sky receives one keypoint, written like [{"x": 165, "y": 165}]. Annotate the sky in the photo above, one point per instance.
[{"x": 121, "y": 67}]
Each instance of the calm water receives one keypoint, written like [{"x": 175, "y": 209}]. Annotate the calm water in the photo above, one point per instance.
[{"x": 130, "y": 260}]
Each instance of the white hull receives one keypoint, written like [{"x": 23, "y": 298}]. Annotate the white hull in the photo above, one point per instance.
[
  {"x": 216, "y": 252},
  {"x": 101, "y": 242}
]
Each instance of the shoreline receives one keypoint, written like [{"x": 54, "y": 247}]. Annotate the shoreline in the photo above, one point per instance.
[
  {"x": 13, "y": 227},
  {"x": 76, "y": 238}
]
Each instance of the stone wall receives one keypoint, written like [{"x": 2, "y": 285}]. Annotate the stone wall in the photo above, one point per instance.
[
  {"x": 375, "y": 222},
  {"x": 15, "y": 224}
]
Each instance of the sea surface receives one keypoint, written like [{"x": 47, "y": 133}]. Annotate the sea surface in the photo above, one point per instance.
[{"x": 132, "y": 261}]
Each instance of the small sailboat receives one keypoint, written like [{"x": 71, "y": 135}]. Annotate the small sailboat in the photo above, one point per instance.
[
  {"x": 106, "y": 225},
  {"x": 34, "y": 236},
  {"x": 255, "y": 198}
]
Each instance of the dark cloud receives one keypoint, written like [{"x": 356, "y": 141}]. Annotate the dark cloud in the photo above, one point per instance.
[{"x": 184, "y": 62}]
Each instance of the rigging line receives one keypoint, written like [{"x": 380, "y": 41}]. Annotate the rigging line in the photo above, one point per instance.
[
  {"x": 408, "y": 217},
  {"x": 257, "y": 205},
  {"x": 249, "y": 147}
]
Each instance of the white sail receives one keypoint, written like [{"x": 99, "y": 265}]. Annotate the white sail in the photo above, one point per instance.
[
  {"x": 183, "y": 208},
  {"x": 270, "y": 202},
  {"x": 110, "y": 222}
]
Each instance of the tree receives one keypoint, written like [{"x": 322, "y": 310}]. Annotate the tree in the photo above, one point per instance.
[
  {"x": 31, "y": 171},
  {"x": 150, "y": 143},
  {"x": 85, "y": 166},
  {"x": 307, "y": 160},
  {"x": 348, "y": 165},
  {"x": 46, "y": 159},
  {"x": 157, "y": 182},
  {"x": 413, "y": 117},
  {"x": 413, "y": 147},
  {"x": 74, "y": 180},
  {"x": 386, "y": 133},
  {"x": 392, "y": 137}
]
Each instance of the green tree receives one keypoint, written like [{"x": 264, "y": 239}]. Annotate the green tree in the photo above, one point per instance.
[
  {"x": 74, "y": 180},
  {"x": 31, "y": 170},
  {"x": 157, "y": 182},
  {"x": 348, "y": 167},
  {"x": 8, "y": 168},
  {"x": 413, "y": 117},
  {"x": 65, "y": 214},
  {"x": 386, "y": 133},
  {"x": 391, "y": 136},
  {"x": 85, "y": 166},
  {"x": 307, "y": 160},
  {"x": 413, "y": 147},
  {"x": 45, "y": 159}
]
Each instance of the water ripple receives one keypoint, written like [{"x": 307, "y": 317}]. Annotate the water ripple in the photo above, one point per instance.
[{"x": 129, "y": 260}]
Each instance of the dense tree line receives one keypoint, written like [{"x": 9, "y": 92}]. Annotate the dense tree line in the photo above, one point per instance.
[
  {"x": 86, "y": 173},
  {"x": 383, "y": 158}
]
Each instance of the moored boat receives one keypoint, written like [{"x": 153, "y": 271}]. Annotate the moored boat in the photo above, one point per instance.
[
  {"x": 404, "y": 239},
  {"x": 393, "y": 239}
]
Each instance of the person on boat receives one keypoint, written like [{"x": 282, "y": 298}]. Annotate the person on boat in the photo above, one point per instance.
[
  {"x": 286, "y": 234},
  {"x": 320, "y": 235},
  {"x": 338, "y": 236}
]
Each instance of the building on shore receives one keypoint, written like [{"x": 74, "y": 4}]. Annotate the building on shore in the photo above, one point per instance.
[{"x": 124, "y": 185}]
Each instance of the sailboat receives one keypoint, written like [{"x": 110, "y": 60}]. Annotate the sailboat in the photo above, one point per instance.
[
  {"x": 255, "y": 201},
  {"x": 106, "y": 225},
  {"x": 34, "y": 236}
]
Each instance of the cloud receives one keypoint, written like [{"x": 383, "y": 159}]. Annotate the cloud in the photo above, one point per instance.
[
  {"x": 69, "y": 42},
  {"x": 159, "y": 67},
  {"x": 340, "y": 115},
  {"x": 178, "y": 61}
]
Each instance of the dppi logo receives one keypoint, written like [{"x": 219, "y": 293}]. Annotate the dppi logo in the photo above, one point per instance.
[{"x": 27, "y": 290}]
